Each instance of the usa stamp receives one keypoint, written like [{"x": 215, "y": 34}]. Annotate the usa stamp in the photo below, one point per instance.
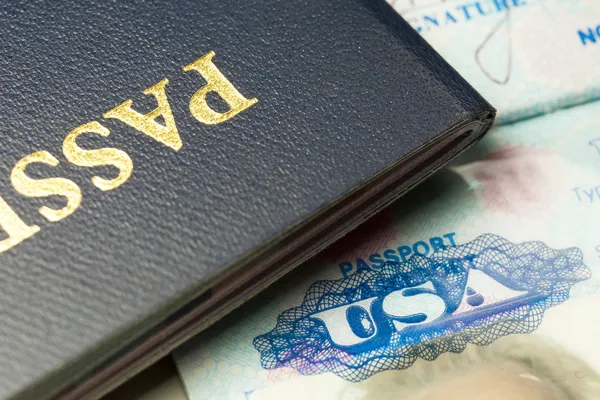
[{"x": 385, "y": 319}]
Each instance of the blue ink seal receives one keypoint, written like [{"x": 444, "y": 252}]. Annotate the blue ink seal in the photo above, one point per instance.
[{"x": 380, "y": 320}]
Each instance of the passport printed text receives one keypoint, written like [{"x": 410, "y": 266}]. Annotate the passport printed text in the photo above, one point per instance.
[{"x": 380, "y": 320}]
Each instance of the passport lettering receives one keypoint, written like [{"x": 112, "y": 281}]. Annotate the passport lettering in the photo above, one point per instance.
[{"x": 164, "y": 132}]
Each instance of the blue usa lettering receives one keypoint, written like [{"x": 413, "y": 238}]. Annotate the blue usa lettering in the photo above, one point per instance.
[
  {"x": 473, "y": 293},
  {"x": 369, "y": 321}
]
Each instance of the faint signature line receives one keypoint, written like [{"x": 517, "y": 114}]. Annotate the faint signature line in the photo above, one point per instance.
[{"x": 502, "y": 27}]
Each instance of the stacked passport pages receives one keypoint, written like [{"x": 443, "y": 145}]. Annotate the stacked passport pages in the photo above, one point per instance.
[
  {"x": 163, "y": 161},
  {"x": 481, "y": 283}
]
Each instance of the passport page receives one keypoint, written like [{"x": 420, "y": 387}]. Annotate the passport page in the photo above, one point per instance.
[
  {"x": 485, "y": 279},
  {"x": 527, "y": 57}
]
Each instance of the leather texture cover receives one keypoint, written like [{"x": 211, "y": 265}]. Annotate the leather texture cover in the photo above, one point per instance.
[{"x": 344, "y": 89}]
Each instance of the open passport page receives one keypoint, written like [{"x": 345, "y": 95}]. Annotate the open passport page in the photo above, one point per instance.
[
  {"x": 527, "y": 57},
  {"x": 483, "y": 282}
]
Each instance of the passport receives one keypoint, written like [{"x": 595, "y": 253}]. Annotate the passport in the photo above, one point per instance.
[
  {"x": 163, "y": 161},
  {"x": 520, "y": 209}
]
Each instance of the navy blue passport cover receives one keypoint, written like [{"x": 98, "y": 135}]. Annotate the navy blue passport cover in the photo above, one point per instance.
[{"x": 127, "y": 226}]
